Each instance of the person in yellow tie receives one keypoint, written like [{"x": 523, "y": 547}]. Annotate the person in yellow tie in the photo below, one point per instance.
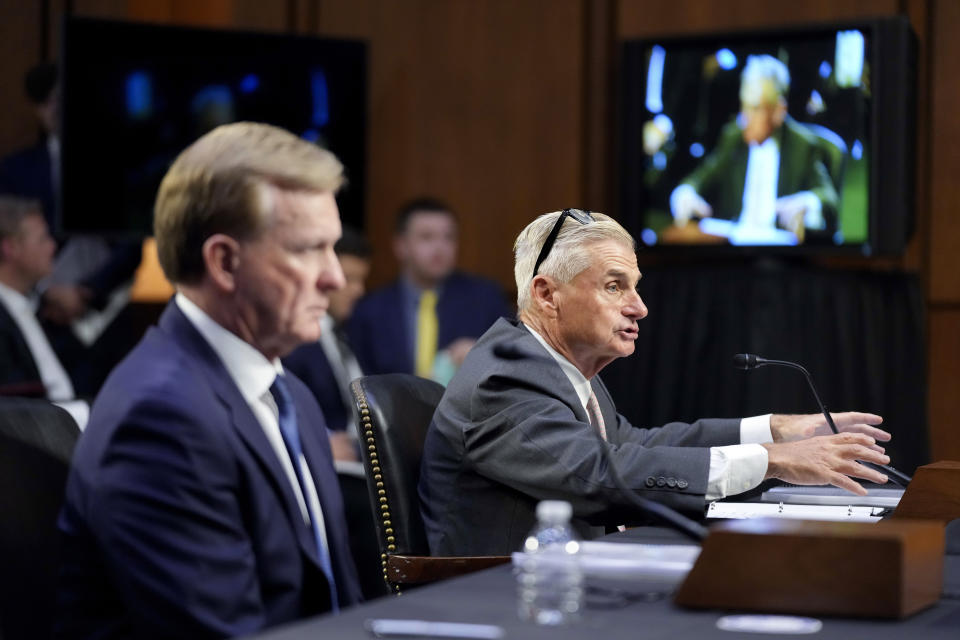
[{"x": 427, "y": 320}]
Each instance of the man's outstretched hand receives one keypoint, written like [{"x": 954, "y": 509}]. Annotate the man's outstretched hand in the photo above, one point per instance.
[
  {"x": 787, "y": 428},
  {"x": 831, "y": 459}
]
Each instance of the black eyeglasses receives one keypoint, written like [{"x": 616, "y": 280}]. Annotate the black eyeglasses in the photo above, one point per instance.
[{"x": 581, "y": 216}]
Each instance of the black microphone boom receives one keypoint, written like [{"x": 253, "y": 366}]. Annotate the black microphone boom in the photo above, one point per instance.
[{"x": 749, "y": 361}]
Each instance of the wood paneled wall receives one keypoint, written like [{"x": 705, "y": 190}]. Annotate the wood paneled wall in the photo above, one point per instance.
[
  {"x": 478, "y": 103},
  {"x": 504, "y": 108}
]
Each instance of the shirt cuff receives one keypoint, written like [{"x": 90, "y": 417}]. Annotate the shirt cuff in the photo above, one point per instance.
[
  {"x": 735, "y": 469},
  {"x": 756, "y": 430}
]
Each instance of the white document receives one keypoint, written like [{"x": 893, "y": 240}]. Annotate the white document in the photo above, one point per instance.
[
  {"x": 818, "y": 495},
  {"x": 741, "y": 510},
  {"x": 633, "y": 561},
  {"x": 739, "y": 234}
]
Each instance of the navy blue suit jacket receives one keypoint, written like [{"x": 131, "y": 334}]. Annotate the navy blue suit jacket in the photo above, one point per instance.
[
  {"x": 179, "y": 520},
  {"x": 309, "y": 363},
  {"x": 378, "y": 331}
]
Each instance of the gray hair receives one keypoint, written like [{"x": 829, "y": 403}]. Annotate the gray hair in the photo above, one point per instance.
[
  {"x": 13, "y": 210},
  {"x": 764, "y": 67},
  {"x": 570, "y": 254}
]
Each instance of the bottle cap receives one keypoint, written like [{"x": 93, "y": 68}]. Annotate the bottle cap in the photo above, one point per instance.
[{"x": 554, "y": 510}]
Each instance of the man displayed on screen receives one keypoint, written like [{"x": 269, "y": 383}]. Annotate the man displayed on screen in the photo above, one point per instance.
[
  {"x": 767, "y": 181},
  {"x": 426, "y": 320}
]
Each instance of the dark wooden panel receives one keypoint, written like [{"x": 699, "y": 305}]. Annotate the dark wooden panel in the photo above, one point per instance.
[
  {"x": 121, "y": 9},
  {"x": 945, "y": 155},
  {"x": 944, "y": 394},
  {"x": 688, "y": 16},
  {"x": 479, "y": 103},
  {"x": 257, "y": 15},
  {"x": 915, "y": 258}
]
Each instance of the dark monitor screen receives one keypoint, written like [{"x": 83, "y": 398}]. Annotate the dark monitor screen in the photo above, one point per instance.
[
  {"x": 755, "y": 140},
  {"x": 135, "y": 95}
]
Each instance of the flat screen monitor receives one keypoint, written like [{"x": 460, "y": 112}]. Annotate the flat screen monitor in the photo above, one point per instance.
[
  {"x": 135, "y": 95},
  {"x": 782, "y": 140}
]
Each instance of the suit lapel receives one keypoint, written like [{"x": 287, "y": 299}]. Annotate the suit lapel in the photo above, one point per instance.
[
  {"x": 560, "y": 382},
  {"x": 251, "y": 432},
  {"x": 792, "y": 161}
]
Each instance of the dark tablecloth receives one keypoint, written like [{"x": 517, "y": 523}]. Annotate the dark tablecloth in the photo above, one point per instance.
[{"x": 614, "y": 610}]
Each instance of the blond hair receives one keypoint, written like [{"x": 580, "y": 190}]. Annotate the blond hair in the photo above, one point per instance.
[
  {"x": 219, "y": 184},
  {"x": 570, "y": 253}
]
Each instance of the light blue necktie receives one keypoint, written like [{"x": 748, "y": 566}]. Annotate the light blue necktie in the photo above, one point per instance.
[{"x": 291, "y": 438}]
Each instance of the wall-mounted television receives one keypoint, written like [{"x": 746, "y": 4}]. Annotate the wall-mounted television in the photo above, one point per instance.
[
  {"x": 786, "y": 140},
  {"x": 136, "y": 94}
]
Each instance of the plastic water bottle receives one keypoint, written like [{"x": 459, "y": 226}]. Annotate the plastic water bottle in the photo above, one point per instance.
[{"x": 549, "y": 579}]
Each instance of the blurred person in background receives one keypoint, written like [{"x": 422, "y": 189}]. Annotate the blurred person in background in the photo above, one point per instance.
[
  {"x": 328, "y": 365},
  {"x": 427, "y": 320},
  {"x": 28, "y": 364},
  {"x": 88, "y": 284}
]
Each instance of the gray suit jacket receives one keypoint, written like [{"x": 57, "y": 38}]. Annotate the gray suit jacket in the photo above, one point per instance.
[{"x": 510, "y": 431}]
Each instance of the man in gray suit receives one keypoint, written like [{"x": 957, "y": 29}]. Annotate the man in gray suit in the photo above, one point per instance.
[{"x": 520, "y": 420}]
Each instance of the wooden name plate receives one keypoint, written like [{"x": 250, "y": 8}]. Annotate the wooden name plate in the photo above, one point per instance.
[
  {"x": 889, "y": 569},
  {"x": 933, "y": 494}
]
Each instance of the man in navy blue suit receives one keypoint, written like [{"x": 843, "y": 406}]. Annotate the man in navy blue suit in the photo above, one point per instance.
[
  {"x": 202, "y": 501},
  {"x": 427, "y": 320}
]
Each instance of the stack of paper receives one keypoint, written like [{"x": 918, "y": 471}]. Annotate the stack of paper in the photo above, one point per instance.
[
  {"x": 634, "y": 561},
  {"x": 740, "y": 510}
]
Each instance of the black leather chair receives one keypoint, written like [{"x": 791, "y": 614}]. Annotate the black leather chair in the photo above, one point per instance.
[
  {"x": 395, "y": 410},
  {"x": 36, "y": 442}
]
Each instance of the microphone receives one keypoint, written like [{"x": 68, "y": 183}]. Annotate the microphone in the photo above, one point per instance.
[
  {"x": 749, "y": 361},
  {"x": 663, "y": 513}
]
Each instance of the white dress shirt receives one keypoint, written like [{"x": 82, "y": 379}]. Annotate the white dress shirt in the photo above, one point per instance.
[
  {"x": 760, "y": 185},
  {"x": 733, "y": 468},
  {"x": 760, "y": 191},
  {"x": 254, "y": 375}
]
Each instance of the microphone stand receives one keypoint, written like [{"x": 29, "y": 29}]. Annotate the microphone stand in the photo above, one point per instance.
[{"x": 748, "y": 362}]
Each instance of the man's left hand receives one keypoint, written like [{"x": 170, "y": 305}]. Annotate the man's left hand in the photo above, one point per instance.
[{"x": 787, "y": 428}]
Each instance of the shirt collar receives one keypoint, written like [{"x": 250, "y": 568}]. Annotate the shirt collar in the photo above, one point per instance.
[
  {"x": 327, "y": 325},
  {"x": 15, "y": 301},
  {"x": 249, "y": 369},
  {"x": 580, "y": 383}
]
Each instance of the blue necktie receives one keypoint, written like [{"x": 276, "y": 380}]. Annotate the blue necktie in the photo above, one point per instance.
[{"x": 291, "y": 438}]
